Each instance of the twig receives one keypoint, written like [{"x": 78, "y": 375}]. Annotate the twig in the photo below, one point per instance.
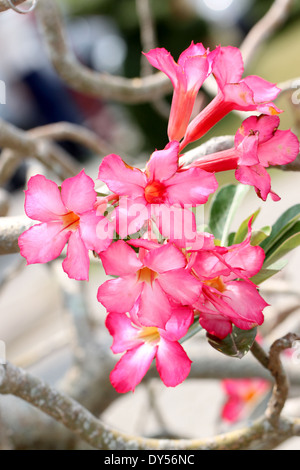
[
  {"x": 4, "y": 5},
  {"x": 83, "y": 79},
  {"x": 10, "y": 230},
  {"x": 264, "y": 28}
]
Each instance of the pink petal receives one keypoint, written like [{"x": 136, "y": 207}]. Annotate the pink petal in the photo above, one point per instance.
[
  {"x": 217, "y": 325},
  {"x": 240, "y": 96},
  {"x": 178, "y": 324},
  {"x": 77, "y": 262},
  {"x": 263, "y": 90},
  {"x": 245, "y": 257},
  {"x": 248, "y": 151},
  {"x": 191, "y": 186},
  {"x": 228, "y": 66},
  {"x": 120, "y": 259},
  {"x": 125, "y": 335},
  {"x": 78, "y": 193},
  {"x": 165, "y": 258},
  {"x": 256, "y": 176},
  {"x": 154, "y": 307},
  {"x": 181, "y": 286},
  {"x": 132, "y": 367},
  {"x": 121, "y": 178},
  {"x": 131, "y": 215},
  {"x": 209, "y": 266},
  {"x": 181, "y": 110},
  {"x": 196, "y": 70},
  {"x": 96, "y": 231},
  {"x": 161, "y": 59},
  {"x": 281, "y": 149},
  {"x": 43, "y": 242},
  {"x": 265, "y": 126},
  {"x": 172, "y": 363},
  {"x": 176, "y": 224},
  {"x": 42, "y": 200},
  {"x": 163, "y": 163},
  {"x": 246, "y": 301},
  {"x": 193, "y": 50},
  {"x": 119, "y": 295},
  {"x": 233, "y": 409}
]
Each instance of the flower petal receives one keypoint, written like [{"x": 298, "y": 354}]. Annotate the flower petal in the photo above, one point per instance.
[
  {"x": 178, "y": 324},
  {"x": 125, "y": 336},
  {"x": 163, "y": 163},
  {"x": 77, "y": 262},
  {"x": 154, "y": 307},
  {"x": 161, "y": 59},
  {"x": 82, "y": 185},
  {"x": 165, "y": 258},
  {"x": 172, "y": 363},
  {"x": 121, "y": 178},
  {"x": 246, "y": 301},
  {"x": 42, "y": 200},
  {"x": 228, "y": 66},
  {"x": 132, "y": 367},
  {"x": 43, "y": 242},
  {"x": 119, "y": 295},
  {"x": 120, "y": 259},
  {"x": 256, "y": 176},
  {"x": 281, "y": 149},
  {"x": 190, "y": 187},
  {"x": 96, "y": 231},
  {"x": 181, "y": 286}
]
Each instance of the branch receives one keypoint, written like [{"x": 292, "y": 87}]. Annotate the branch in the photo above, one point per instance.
[
  {"x": 63, "y": 409},
  {"x": 10, "y": 230},
  {"x": 4, "y": 5},
  {"x": 85, "y": 80},
  {"x": 263, "y": 29},
  {"x": 24, "y": 145}
]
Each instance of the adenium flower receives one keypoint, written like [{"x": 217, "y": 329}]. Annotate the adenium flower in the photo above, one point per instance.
[
  {"x": 187, "y": 77},
  {"x": 66, "y": 215},
  {"x": 227, "y": 296},
  {"x": 258, "y": 144},
  {"x": 152, "y": 281},
  {"x": 242, "y": 396},
  {"x": 251, "y": 93},
  {"x": 142, "y": 344},
  {"x": 161, "y": 184}
]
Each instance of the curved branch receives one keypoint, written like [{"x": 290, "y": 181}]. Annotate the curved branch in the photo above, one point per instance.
[
  {"x": 83, "y": 79},
  {"x": 4, "y": 5},
  {"x": 63, "y": 409}
]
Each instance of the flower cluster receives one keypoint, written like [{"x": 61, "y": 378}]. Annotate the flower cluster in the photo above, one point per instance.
[{"x": 167, "y": 275}]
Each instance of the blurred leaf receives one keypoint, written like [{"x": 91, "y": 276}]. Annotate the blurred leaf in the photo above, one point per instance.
[
  {"x": 243, "y": 228},
  {"x": 236, "y": 344},
  {"x": 258, "y": 236},
  {"x": 281, "y": 226},
  {"x": 230, "y": 240},
  {"x": 289, "y": 241},
  {"x": 266, "y": 273},
  {"x": 223, "y": 208}
]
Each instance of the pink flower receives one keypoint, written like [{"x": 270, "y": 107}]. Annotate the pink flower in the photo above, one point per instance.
[
  {"x": 187, "y": 76},
  {"x": 142, "y": 344},
  {"x": 224, "y": 299},
  {"x": 161, "y": 184},
  {"x": 242, "y": 396},
  {"x": 152, "y": 281},
  {"x": 251, "y": 93},
  {"x": 258, "y": 144},
  {"x": 66, "y": 215}
]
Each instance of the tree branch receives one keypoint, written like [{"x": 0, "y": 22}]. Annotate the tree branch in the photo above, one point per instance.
[
  {"x": 85, "y": 80},
  {"x": 4, "y": 5}
]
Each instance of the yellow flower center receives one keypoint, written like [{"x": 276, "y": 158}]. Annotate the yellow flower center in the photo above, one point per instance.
[
  {"x": 149, "y": 334},
  {"x": 71, "y": 220},
  {"x": 216, "y": 283},
  {"x": 146, "y": 275}
]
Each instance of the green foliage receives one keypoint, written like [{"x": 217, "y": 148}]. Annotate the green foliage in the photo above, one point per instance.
[{"x": 236, "y": 344}]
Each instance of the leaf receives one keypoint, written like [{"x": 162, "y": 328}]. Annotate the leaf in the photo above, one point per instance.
[
  {"x": 236, "y": 344},
  {"x": 243, "y": 228},
  {"x": 281, "y": 226},
  {"x": 259, "y": 236},
  {"x": 223, "y": 209},
  {"x": 289, "y": 241},
  {"x": 266, "y": 273}
]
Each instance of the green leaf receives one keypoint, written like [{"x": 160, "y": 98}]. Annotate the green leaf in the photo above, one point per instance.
[
  {"x": 236, "y": 344},
  {"x": 223, "y": 208},
  {"x": 266, "y": 273},
  {"x": 289, "y": 241},
  {"x": 230, "y": 240},
  {"x": 243, "y": 228},
  {"x": 259, "y": 236},
  {"x": 193, "y": 329},
  {"x": 281, "y": 226}
]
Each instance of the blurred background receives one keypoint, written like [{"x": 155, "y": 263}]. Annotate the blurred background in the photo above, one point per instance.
[{"x": 106, "y": 36}]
